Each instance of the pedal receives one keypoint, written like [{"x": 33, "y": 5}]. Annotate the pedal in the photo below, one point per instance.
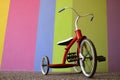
[
  {"x": 101, "y": 58},
  {"x": 71, "y": 57}
]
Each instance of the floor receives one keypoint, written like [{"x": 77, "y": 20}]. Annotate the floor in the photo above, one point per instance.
[{"x": 56, "y": 76}]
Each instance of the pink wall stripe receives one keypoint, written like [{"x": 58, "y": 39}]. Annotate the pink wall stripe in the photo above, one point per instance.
[{"x": 20, "y": 41}]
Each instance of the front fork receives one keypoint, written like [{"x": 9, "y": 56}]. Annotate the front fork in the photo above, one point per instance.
[{"x": 79, "y": 50}]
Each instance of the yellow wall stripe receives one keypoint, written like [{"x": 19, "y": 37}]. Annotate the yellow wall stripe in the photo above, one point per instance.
[{"x": 4, "y": 8}]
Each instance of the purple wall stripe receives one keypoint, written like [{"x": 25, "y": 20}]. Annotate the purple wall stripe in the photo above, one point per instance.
[
  {"x": 113, "y": 7},
  {"x": 20, "y": 41}
]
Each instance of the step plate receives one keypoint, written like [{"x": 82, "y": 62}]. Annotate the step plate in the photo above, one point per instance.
[{"x": 62, "y": 65}]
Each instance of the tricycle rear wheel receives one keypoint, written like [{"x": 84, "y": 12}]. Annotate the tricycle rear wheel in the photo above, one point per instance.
[{"x": 45, "y": 65}]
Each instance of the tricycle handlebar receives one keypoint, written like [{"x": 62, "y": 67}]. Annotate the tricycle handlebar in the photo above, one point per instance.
[{"x": 78, "y": 16}]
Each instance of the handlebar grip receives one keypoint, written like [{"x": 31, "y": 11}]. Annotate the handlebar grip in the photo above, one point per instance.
[
  {"x": 92, "y": 18},
  {"x": 61, "y": 10}
]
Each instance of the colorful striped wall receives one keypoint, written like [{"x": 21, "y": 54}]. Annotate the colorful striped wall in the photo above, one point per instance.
[{"x": 31, "y": 29}]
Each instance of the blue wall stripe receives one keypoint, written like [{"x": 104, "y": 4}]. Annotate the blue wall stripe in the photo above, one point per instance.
[{"x": 45, "y": 34}]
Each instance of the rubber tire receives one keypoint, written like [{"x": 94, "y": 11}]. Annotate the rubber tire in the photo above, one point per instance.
[{"x": 94, "y": 58}]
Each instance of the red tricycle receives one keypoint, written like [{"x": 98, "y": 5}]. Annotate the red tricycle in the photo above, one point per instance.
[{"x": 84, "y": 59}]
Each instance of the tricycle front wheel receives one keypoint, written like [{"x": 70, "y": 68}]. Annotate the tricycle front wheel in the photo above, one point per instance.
[{"x": 88, "y": 61}]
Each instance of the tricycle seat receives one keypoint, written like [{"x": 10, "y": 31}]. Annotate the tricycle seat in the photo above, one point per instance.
[{"x": 65, "y": 42}]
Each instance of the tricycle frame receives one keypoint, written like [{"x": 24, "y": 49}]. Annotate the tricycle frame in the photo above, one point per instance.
[{"x": 77, "y": 39}]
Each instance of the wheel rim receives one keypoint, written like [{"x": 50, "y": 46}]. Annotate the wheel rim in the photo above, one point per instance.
[
  {"x": 44, "y": 65},
  {"x": 88, "y": 61}
]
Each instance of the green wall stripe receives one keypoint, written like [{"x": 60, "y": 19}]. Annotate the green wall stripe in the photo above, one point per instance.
[
  {"x": 96, "y": 30},
  {"x": 62, "y": 30}
]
